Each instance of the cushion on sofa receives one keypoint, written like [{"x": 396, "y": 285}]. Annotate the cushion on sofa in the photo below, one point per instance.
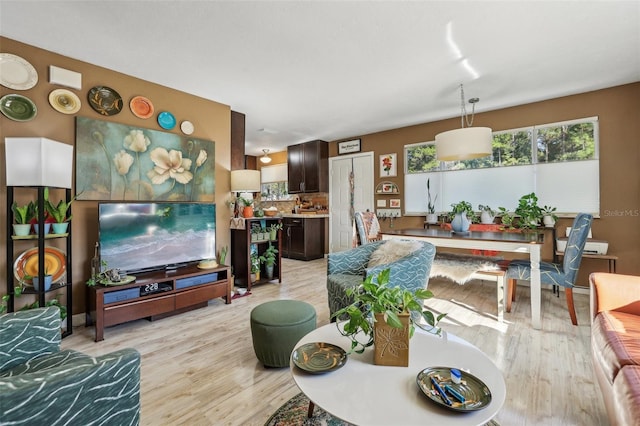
[
  {"x": 393, "y": 250},
  {"x": 617, "y": 337},
  {"x": 625, "y": 393}
]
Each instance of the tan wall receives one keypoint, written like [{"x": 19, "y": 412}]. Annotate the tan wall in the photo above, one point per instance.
[
  {"x": 619, "y": 120},
  {"x": 211, "y": 120}
]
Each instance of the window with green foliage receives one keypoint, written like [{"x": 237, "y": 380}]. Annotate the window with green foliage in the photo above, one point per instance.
[
  {"x": 275, "y": 191},
  {"x": 557, "y": 160}
]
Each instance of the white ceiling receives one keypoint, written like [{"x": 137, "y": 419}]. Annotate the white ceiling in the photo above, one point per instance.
[{"x": 330, "y": 70}]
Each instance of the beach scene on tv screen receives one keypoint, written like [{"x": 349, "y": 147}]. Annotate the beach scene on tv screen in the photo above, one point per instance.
[{"x": 143, "y": 236}]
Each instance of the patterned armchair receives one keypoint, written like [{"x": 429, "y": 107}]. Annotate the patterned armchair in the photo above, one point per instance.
[
  {"x": 347, "y": 269},
  {"x": 42, "y": 385}
]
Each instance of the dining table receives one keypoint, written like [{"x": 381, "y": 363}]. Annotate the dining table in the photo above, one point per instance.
[{"x": 516, "y": 242}]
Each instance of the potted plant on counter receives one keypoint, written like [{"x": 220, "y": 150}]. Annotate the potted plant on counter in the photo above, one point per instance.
[
  {"x": 461, "y": 212},
  {"x": 528, "y": 211},
  {"x": 487, "y": 214},
  {"x": 385, "y": 317},
  {"x": 23, "y": 217}
]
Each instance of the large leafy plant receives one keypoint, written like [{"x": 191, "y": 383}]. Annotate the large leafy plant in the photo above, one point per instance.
[{"x": 377, "y": 296}]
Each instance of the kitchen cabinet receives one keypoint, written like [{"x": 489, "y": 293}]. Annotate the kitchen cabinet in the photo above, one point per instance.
[
  {"x": 303, "y": 238},
  {"x": 308, "y": 167}
]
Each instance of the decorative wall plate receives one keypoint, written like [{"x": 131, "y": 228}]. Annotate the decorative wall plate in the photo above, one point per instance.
[
  {"x": 104, "y": 100},
  {"x": 141, "y": 107},
  {"x": 18, "y": 107},
  {"x": 64, "y": 101},
  {"x": 166, "y": 120},
  {"x": 186, "y": 127},
  {"x": 55, "y": 263},
  {"x": 16, "y": 72}
]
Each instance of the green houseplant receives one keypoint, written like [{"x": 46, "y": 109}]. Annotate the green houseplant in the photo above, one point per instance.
[
  {"x": 506, "y": 218},
  {"x": 487, "y": 214},
  {"x": 23, "y": 215},
  {"x": 268, "y": 257},
  {"x": 58, "y": 212},
  {"x": 376, "y": 301},
  {"x": 460, "y": 216},
  {"x": 273, "y": 231},
  {"x": 548, "y": 216},
  {"x": 432, "y": 217},
  {"x": 528, "y": 211}
]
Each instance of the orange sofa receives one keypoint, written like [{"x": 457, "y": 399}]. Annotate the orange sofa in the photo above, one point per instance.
[{"x": 615, "y": 344}]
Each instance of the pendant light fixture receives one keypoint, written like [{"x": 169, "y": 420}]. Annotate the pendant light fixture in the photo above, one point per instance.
[
  {"x": 465, "y": 143},
  {"x": 265, "y": 159}
]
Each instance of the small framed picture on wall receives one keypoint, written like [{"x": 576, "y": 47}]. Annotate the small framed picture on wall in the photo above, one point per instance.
[
  {"x": 394, "y": 203},
  {"x": 388, "y": 165}
]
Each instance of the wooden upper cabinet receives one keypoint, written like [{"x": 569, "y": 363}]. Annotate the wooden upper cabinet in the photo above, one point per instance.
[{"x": 308, "y": 167}]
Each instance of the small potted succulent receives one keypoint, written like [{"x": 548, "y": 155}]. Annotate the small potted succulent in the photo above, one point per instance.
[
  {"x": 273, "y": 231},
  {"x": 432, "y": 217},
  {"x": 548, "y": 216},
  {"x": 377, "y": 304},
  {"x": 23, "y": 215},
  {"x": 58, "y": 213}
]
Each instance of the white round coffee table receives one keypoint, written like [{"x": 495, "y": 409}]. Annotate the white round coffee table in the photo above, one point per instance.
[{"x": 366, "y": 394}]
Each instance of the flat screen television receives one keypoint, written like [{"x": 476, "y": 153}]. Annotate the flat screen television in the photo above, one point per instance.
[{"x": 140, "y": 237}]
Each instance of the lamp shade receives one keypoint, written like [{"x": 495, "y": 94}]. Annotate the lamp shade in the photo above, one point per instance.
[
  {"x": 38, "y": 162},
  {"x": 464, "y": 144},
  {"x": 245, "y": 181}
]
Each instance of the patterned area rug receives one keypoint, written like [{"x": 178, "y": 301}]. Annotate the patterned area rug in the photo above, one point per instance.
[{"x": 294, "y": 413}]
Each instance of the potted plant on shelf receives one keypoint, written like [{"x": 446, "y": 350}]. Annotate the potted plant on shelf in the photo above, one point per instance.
[
  {"x": 487, "y": 214},
  {"x": 17, "y": 291},
  {"x": 247, "y": 209},
  {"x": 255, "y": 267},
  {"x": 548, "y": 216},
  {"x": 273, "y": 231},
  {"x": 528, "y": 211},
  {"x": 385, "y": 317},
  {"x": 461, "y": 212},
  {"x": 47, "y": 279},
  {"x": 23, "y": 216},
  {"x": 432, "y": 217},
  {"x": 58, "y": 213},
  {"x": 269, "y": 259}
]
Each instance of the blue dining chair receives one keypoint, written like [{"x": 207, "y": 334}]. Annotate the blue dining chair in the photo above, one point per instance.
[{"x": 561, "y": 274}]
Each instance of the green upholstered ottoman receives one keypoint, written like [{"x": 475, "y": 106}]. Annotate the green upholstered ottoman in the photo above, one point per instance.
[{"x": 277, "y": 326}]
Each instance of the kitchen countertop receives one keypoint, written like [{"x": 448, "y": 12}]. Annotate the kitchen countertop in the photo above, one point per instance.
[{"x": 306, "y": 216}]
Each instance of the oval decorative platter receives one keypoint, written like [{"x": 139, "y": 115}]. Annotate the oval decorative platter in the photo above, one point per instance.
[
  {"x": 18, "y": 107},
  {"x": 104, "y": 100},
  {"x": 26, "y": 265},
  {"x": 319, "y": 357},
  {"x": 187, "y": 127},
  {"x": 64, "y": 101},
  {"x": 476, "y": 394},
  {"x": 16, "y": 72}
]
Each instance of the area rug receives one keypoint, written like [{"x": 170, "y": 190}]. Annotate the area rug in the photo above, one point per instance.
[
  {"x": 460, "y": 267},
  {"x": 294, "y": 413}
]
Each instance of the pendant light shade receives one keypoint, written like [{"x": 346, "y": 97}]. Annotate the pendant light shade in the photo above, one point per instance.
[
  {"x": 464, "y": 144},
  {"x": 265, "y": 159},
  {"x": 245, "y": 181}
]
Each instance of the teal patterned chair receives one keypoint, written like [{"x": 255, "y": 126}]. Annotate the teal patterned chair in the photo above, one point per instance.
[
  {"x": 557, "y": 274},
  {"x": 42, "y": 385},
  {"x": 347, "y": 269}
]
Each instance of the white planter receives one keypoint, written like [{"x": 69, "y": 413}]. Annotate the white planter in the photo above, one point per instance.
[
  {"x": 432, "y": 218},
  {"x": 486, "y": 218},
  {"x": 548, "y": 220},
  {"x": 21, "y": 229}
]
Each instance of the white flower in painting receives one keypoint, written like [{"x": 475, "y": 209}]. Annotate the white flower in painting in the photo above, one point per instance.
[
  {"x": 169, "y": 164},
  {"x": 123, "y": 161},
  {"x": 202, "y": 157},
  {"x": 136, "y": 141}
]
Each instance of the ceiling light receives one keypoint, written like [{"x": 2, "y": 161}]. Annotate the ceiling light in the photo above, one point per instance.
[
  {"x": 265, "y": 158},
  {"x": 465, "y": 143}
]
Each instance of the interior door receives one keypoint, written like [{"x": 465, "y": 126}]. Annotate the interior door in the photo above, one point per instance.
[{"x": 341, "y": 221}]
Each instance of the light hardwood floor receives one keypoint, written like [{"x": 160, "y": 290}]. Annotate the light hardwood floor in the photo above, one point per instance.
[{"x": 199, "y": 368}]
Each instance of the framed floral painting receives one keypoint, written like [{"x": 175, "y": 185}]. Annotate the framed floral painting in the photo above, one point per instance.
[
  {"x": 388, "y": 165},
  {"x": 122, "y": 162}
]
